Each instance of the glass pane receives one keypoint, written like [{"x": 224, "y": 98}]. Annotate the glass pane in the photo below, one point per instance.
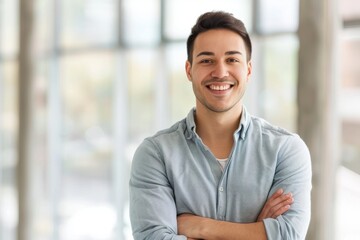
[
  {"x": 277, "y": 16},
  {"x": 350, "y": 58},
  {"x": 350, "y": 9},
  {"x": 8, "y": 140},
  {"x": 87, "y": 22},
  {"x": 351, "y": 143},
  {"x": 44, "y": 21},
  {"x": 181, "y": 94},
  {"x": 41, "y": 184},
  {"x": 87, "y": 87},
  {"x": 141, "y": 22},
  {"x": 142, "y": 66},
  {"x": 280, "y": 78},
  {"x": 350, "y": 97},
  {"x": 180, "y": 16},
  {"x": 9, "y": 27},
  {"x": 347, "y": 204}
]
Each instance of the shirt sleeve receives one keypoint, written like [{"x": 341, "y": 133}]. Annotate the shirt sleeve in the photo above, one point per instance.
[
  {"x": 152, "y": 206},
  {"x": 293, "y": 174}
]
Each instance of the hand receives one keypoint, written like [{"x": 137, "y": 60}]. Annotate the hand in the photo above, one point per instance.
[{"x": 276, "y": 205}]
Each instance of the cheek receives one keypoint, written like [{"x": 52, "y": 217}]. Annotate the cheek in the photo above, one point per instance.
[
  {"x": 199, "y": 74},
  {"x": 242, "y": 74}
]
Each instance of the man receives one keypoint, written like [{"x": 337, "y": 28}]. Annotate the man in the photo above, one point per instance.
[{"x": 220, "y": 173}]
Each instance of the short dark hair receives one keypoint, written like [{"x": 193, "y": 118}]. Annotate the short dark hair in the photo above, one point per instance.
[{"x": 218, "y": 20}]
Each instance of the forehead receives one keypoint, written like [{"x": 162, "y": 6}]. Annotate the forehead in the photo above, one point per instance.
[{"x": 219, "y": 41}]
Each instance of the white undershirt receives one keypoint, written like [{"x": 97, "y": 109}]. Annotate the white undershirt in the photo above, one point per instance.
[{"x": 222, "y": 163}]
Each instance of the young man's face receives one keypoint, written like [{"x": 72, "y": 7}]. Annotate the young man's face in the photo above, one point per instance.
[{"x": 219, "y": 71}]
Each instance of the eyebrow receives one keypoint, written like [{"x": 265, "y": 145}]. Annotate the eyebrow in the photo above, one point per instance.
[{"x": 206, "y": 53}]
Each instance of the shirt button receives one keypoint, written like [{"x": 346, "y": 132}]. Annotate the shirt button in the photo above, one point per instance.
[{"x": 221, "y": 189}]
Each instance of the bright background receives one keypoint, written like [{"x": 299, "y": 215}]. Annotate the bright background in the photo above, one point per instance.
[{"x": 110, "y": 72}]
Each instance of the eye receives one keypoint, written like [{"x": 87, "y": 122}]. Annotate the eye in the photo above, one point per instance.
[
  {"x": 232, "y": 60},
  {"x": 206, "y": 61}
]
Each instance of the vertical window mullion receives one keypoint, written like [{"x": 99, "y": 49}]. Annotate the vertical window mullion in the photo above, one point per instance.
[
  {"x": 161, "y": 89},
  {"x": 2, "y": 234},
  {"x": 54, "y": 122},
  {"x": 120, "y": 125},
  {"x": 120, "y": 112}
]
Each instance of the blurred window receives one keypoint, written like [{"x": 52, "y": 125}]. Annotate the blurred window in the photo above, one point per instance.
[
  {"x": 279, "y": 56},
  {"x": 277, "y": 16},
  {"x": 9, "y": 40},
  {"x": 141, "y": 25},
  {"x": 181, "y": 95},
  {"x": 8, "y": 133},
  {"x": 110, "y": 73},
  {"x": 350, "y": 86},
  {"x": 348, "y": 195},
  {"x": 87, "y": 154},
  {"x": 180, "y": 16},
  {"x": 349, "y": 9},
  {"x": 85, "y": 23}
]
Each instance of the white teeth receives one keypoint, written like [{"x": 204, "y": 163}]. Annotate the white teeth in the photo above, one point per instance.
[{"x": 219, "y": 87}]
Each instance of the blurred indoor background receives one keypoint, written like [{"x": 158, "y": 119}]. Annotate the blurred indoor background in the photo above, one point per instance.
[{"x": 91, "y": 78}]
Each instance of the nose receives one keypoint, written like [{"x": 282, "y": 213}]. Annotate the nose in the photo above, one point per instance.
[{"x": 220, "y": 71}]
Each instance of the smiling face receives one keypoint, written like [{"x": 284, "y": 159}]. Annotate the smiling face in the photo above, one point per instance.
[{"x": 219, "y": 71}]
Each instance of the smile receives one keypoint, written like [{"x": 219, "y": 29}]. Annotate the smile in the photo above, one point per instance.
[{"x": 222, "y": 87}]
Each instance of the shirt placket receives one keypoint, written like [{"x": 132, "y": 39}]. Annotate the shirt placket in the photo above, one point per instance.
[
  {"x": 220, "y": 176},
  {"x": 222, "y": 187},
  {"x": 221, "y": 207}
]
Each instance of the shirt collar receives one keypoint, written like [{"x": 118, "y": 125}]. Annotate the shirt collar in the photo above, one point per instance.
[
  {"x": 244, "y": 123},
  {"x": 190, "y": 123},
  {"x": 240, "y": 131}
]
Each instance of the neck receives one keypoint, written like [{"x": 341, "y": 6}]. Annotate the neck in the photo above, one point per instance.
[{"x": 217, "y": 129}]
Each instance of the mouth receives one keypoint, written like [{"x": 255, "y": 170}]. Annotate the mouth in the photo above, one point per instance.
[{"x": 219, "y": 86}]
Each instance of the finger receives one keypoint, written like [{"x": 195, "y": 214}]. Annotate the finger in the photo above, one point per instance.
[
  {"x": 268, "y": 203},
  {"x": 280, "y": 208},
  {"x": 275, "y": 202},
  {"x": 280, "y": 211},
  {"x": 286, "y": 199},
  {"x": 277, "y": 194},
  {"x": 278, "y": 200}
]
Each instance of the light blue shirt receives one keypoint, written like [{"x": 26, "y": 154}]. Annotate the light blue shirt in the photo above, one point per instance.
[{"x": 173, "y": 172}]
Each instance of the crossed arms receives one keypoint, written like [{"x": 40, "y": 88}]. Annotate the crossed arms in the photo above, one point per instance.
[
  {"x": 195, "y": 227},
  {"x": 155, "y": 209}
]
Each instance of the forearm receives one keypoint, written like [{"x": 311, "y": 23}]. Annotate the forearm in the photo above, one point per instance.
[
  {"x": 206, "y": 228},
  {"x": 235, "y": 231}
]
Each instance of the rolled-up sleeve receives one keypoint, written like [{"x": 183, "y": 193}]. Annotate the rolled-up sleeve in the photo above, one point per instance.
[
  {"x": 293, "y": 174},
  {"x": 152, "y": 206}
]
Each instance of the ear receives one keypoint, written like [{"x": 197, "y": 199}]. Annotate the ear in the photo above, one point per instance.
[
  {"x": 249, "y": 70},
  {"x": 188, "y": 70}
]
